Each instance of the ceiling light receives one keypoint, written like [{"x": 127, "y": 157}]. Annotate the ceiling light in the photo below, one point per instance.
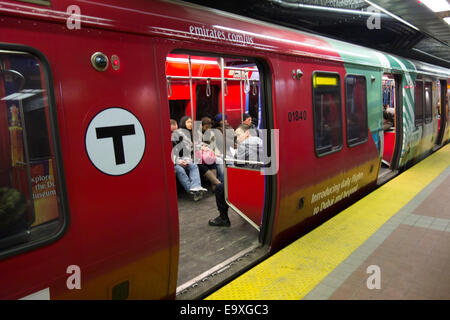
[{"x": 436, "y": 5}]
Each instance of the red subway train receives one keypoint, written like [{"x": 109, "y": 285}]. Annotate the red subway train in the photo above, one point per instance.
[{"x": 90, "y": 207}]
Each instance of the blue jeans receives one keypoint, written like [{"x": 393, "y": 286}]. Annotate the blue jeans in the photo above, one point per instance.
[
  {"x": 220, "y": 171},
  {"x": 191, "y": 181}
]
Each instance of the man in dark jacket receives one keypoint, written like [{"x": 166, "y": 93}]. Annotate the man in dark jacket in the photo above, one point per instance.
[{"x": 249, "y": 149}]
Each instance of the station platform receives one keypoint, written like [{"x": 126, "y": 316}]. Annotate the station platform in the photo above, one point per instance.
[{"x": 392, "y": 244}]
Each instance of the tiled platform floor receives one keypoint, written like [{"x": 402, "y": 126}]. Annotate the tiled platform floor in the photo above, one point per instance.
[
  {"x": 414, "y": 263},
  {"x": 438, "y": 203},
  {"x": 413, "y": 259}
]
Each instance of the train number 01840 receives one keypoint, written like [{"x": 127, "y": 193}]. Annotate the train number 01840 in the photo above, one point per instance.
[{"x": 297, "y": 115}]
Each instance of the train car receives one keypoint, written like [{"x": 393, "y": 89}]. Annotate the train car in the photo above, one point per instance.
[{"x": 89, "y": 203}]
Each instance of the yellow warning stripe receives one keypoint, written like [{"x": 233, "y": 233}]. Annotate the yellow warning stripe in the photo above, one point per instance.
[{"x": 294, "y": 271}]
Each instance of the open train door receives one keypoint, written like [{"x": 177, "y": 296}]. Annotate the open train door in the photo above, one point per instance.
[
  {"x": 249, "y": 156},
  {"x": 442, "y": 116},
  {"x": 392, "y": 125},
  {"x": 398, "y": 123},
  {"x": 209, "y": 88}
]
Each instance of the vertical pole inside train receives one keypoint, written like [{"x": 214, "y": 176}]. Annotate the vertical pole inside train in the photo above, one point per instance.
[
  {"x": 240, "y": 89},
  {"x": 192, "y": 100}
]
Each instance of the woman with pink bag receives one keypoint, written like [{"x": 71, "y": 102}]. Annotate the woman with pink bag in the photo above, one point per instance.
[{"x": 206, "y": 157}]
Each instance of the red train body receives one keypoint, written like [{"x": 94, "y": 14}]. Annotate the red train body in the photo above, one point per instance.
[{"x": 124, "y": 227}]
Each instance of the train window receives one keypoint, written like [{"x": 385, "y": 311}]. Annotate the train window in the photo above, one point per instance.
[
  {"x": 327, "y": 113},
  {"x": 356, "y": 109},
  {"x": 254, "y": 105},
  {"x": 29, "y": 196},
  {"x": 177, "y": 109},
  {"x": 207, "y": 100},
  {"x": 41, "y": 2},
  {"x": 428, "y": 102},
  {"x": 418, "y": 103}
]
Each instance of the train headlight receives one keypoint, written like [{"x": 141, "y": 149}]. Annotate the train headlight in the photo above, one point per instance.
[{"x": 99, "y": 61}]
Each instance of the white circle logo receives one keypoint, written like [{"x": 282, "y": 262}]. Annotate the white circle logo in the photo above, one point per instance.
[{"x": 115, "y": 141}]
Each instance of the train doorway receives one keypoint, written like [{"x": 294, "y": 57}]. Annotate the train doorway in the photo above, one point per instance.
[
  {"x": 212, "y": 99},
  {"x": 392, "y": 124}
]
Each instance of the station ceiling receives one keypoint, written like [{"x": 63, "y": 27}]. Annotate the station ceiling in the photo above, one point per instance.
[{"x": 404, "y": 27}]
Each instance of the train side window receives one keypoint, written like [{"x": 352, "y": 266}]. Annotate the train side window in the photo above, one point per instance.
[
  {"x": 327, "y": 113},
  {"x": 418, "y": 103},
  {"x": 356, "y": 109},
  {"x": 30, "y": 196},
  {"x": 428, "y": 102}
]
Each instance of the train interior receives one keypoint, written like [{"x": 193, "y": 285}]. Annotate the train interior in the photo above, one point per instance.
[
  {"x": 198, "y": 87},
  {"x": 390, "y": 90}
]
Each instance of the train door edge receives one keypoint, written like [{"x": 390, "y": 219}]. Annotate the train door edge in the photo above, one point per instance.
[
  {"x": 443, "y": 113},
  {"x": 271, "y": 189},
  {"x": 270, "y": 141},
  {"x": 392, "y": 142},
  {"x": 398, "y": 123}
]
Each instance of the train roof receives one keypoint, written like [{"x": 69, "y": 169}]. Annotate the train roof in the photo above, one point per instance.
[{"x": 186, "y": 21}]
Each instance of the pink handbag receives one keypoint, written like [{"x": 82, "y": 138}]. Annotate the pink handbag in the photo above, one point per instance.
[{"x": 207, "y": 156}]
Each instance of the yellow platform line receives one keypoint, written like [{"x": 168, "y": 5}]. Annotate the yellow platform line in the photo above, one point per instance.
[{"x": 294, "y": 271}]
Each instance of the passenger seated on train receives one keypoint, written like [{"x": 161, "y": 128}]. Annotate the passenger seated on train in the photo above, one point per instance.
[
  {"x": 230, "y": 143},
  {"x": 218, "y": 122},
  {"x": 248, "y": 120},
  {"x": 184, "y": 165},
  {"x": 206, "y": 124},
  {"x": 388, "y": 117},
  {"x": 209, "y": 139},
  {"x": 249, "y": 148},
  {"x": 206, "y": 168}
]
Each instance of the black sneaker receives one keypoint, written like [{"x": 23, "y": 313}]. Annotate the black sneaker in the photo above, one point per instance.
[
  {"x": 196, "y": 195},
  {"x": 219, "y": 222}
]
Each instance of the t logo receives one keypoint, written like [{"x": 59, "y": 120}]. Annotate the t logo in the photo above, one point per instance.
[
  {"x": 116, "y": 133},
  {"x": 115, "y": 141}
]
